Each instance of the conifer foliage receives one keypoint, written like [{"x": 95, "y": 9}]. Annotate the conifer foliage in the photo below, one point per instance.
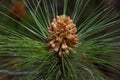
[{"x": 61, "y": 46}]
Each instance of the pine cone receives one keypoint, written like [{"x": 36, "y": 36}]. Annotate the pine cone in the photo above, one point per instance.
[
  {"x": 63, "y": 36},
  {"x": 18, "y": 10}
]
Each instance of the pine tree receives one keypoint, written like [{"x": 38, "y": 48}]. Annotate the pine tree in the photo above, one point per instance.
[{"x": 61, "y": 45}]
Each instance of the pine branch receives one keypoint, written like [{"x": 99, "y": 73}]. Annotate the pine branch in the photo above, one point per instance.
[{"x": 59, "y": 46}]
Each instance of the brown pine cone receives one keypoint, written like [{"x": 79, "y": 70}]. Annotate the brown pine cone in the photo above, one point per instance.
[{"x": 18, "y": 10}]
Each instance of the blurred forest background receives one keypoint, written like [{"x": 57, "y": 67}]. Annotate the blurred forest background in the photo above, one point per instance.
[{"x": 7, "y": 4}]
